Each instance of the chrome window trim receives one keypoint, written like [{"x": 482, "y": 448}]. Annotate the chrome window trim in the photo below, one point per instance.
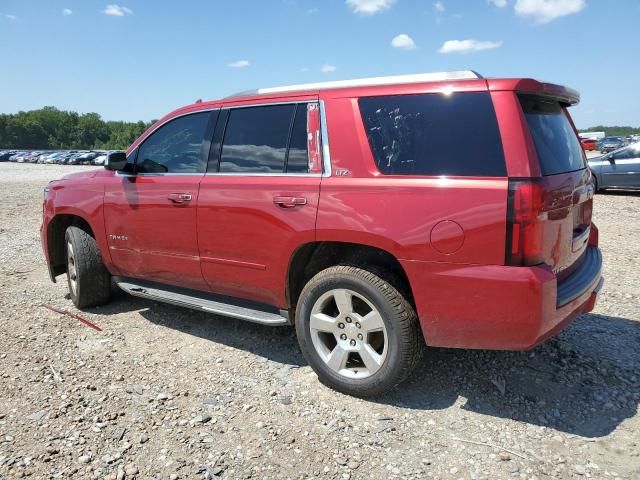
[
  {"x": 269, "y": 104},
  {"x": 149, "y": 174},
  {"x": 326, "y": 154},
  {"x": 326, "y": 157},
  {"x": 258, "y": 174},
  {"x": 324, "y": 133}
]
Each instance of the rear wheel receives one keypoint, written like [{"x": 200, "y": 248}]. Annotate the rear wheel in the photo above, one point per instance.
[
  {"x": 358, "y": 332},
  {"x": 88, "y": 279}
]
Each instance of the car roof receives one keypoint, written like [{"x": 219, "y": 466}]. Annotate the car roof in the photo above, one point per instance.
[{"x": 453, "y": 81}]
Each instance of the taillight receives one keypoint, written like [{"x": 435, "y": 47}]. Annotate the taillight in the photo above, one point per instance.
[{"x": 525, "y": 217}]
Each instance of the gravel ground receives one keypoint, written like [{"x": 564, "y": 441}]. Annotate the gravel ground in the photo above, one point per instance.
[{"x": 163, "y": 392}]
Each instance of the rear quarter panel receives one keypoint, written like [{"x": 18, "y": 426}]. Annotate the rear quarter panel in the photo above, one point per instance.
[{"x": 403, "y": 214}]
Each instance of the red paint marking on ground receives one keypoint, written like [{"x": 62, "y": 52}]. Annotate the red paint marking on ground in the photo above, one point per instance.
[{"x": 72, "y": 315}]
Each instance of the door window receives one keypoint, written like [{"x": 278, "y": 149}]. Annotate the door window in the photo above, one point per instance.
[
  {"x": 297, "y": 158},
  {"x": 271, "y": 139},
  {"x": 627, "y": 154},
  {"x": 256, "y": 139},
  {"x": 175, "y": 147}
]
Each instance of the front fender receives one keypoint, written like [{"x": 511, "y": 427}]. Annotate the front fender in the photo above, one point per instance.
[{"x": 66, "y": 202}]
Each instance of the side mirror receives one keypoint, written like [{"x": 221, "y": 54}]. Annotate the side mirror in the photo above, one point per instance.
[
  {"x": 116, "y": 161},
  {"x": 611, "y": 158}
]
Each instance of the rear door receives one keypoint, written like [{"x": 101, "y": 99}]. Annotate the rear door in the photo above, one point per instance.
[
  {"x": 567, "y": 192},
  {"x": 150, "y": 217},
  {"x": 259, "y": 199}
]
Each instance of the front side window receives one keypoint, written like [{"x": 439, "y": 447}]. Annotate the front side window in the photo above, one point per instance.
[
  {"x": 175, "y": 147},
  {"x": 628, "y": 153},
  {"x": 434, "y": 134}
]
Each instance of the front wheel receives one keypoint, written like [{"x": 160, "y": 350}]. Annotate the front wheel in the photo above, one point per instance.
[
  {"x": 88, "y": 279},
  {"x": 357, "y": 331}
]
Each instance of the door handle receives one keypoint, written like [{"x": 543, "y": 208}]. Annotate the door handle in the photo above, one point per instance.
[
  {"x": 180, "y": 198},
  {"x": 289, "y": 202}
]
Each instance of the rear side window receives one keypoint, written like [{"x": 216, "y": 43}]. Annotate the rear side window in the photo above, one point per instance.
[
  {"x": 556, "y": 142},
  {"x": 256, "y": 139},
  {"x": 297, "y": 158},
  {"x": 434, "y": 134}
]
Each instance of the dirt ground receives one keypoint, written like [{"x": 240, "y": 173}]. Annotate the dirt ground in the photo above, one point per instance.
[{"x": 163, "y": 392}]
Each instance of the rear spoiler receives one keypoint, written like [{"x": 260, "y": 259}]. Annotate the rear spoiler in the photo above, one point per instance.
[{"x": 565, "y": 95}]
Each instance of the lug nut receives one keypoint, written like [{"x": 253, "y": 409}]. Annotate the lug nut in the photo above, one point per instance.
[
  {"x": 353, "y": 343},
  {"x": 348, "y": 319},
  {"x": 343, "y": 337},
  {"x": 341, "y": 325},
  {"x": 358, "y": 325},
  {"x": 360, "y": 337}
]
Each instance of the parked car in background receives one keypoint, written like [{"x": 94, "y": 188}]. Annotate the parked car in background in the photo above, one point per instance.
[
  {"x": 609, "y": 144},
  {"x": 64, "y": 158},
  {"x": 87, "y": 158},
  {"x": 53, "y": 158},
  {"x": 99, "y": 160},
  {"x": 588, "y": 144},
  {"x": 75, "y": 158},
  {"x": 31, "y": 157},
  {"x": 17, "y": 156},
  {"x": 426, "y": 229},
  {"x": 43, "y": 155},
  {"x": 617, "y": 169},
  {"x": 5, "y": 155}
]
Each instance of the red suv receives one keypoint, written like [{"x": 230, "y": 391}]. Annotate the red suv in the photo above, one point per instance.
[{"x": 375, "y": 215}]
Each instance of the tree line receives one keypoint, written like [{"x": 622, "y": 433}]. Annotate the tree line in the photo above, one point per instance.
[
  {"x": 613, "y": 131},
  {"x": 49, "y": 128}
]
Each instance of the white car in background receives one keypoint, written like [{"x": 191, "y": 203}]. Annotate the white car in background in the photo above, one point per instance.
[{"x": 99, "y": 160}]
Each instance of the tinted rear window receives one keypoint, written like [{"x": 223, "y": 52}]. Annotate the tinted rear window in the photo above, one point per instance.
[
  {"x": 256, "y": 139},
  {"x": 434, "y": 134},
  {"x": 556, "y": 142}
]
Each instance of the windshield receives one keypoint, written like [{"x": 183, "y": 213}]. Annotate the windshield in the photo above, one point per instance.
[{"x": 556, "y": 142}]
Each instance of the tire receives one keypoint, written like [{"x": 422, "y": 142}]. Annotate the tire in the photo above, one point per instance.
[
  {"x": 88, "y": 279},
  {"x": 378, "y": 340}
]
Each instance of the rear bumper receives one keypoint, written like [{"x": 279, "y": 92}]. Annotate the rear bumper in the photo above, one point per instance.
[{"x": 499, "y": 307}]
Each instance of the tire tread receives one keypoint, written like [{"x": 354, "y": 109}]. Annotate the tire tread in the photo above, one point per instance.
[{"x": 94, "y": 281}]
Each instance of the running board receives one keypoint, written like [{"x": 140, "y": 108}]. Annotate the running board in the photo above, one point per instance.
[{"x": 203, "y": 301}]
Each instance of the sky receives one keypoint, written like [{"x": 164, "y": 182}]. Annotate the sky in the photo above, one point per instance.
[{"x": 139, "y": 59}]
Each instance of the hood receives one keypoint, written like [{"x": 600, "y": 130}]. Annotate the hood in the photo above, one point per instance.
[{"x": 81, "y": 175}]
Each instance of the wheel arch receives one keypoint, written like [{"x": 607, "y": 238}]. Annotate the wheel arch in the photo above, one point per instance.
[
  {"x": 312, "y": 257},
  {"x": 55, "y": 240}
]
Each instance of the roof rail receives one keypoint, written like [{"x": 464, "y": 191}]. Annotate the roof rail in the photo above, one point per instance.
[{"x": 362, "y": 82}]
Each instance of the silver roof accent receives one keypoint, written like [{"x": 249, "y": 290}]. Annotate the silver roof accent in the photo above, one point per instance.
[{"x": 367, "y": 82}]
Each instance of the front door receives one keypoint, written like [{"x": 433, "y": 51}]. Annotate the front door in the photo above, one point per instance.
[
  {"x": 259, "y": 199},
  {"x": 623, "y": 170},
  {"x": 150, "y": 216}
]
